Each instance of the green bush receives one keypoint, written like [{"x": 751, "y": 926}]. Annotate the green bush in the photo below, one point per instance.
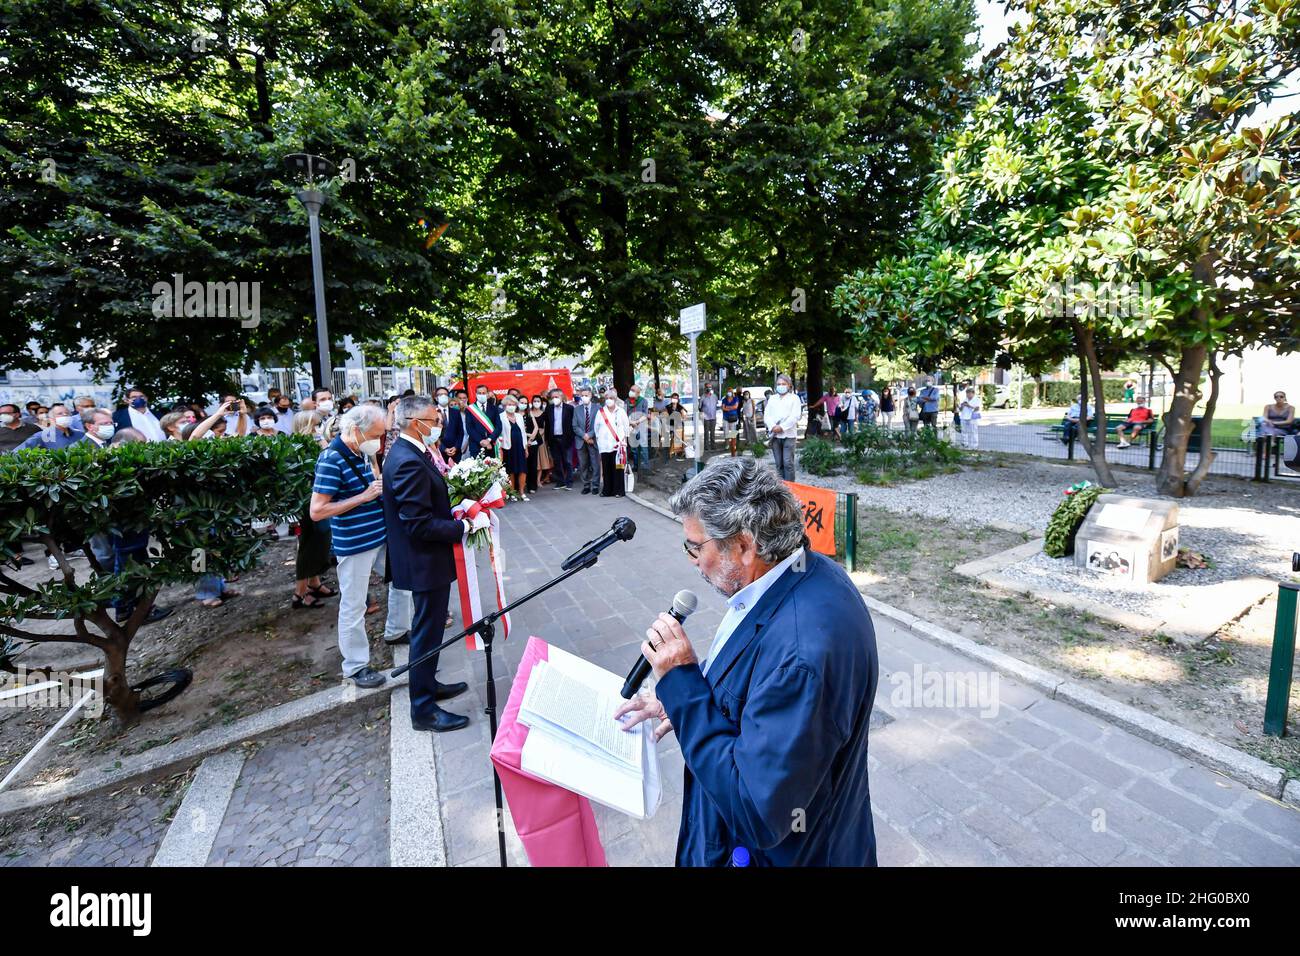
[
  {"x": 1058, "y": 540},
  {"x": 198, "y": 500},
  {"x": 820, "y": 457},
  {"x": 1064, "y": 393}
]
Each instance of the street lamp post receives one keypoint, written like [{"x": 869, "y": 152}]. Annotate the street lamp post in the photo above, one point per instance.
[{"x": 312, "y": 200}]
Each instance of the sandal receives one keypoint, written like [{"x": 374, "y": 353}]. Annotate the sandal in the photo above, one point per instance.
[
  {"x": 213, "y": 602},
  {"x": 323, "y": 591},
  {"x": 309, "y": 600},
  {"x": 227, "y": 594}
]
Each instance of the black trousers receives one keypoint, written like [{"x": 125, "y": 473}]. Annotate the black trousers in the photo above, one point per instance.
[
  {"x": 428, "y": 624},
  {"x": 561, "y": 450},
  {"x": 611, "y": 477}
]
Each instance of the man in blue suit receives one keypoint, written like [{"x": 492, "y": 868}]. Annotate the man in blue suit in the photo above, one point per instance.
[
  {"x": 773, "y": 723},
  {"x": 420, "y": 535},
  {"x": 482, "y": 424}
]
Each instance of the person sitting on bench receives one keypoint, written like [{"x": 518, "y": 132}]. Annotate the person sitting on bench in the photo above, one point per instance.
[
  {"x": 1138, "y": 419},
  {"x": 1070, "y": 423}
]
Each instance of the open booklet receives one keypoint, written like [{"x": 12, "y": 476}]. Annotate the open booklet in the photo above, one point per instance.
[{"x": 575, "y": 742}]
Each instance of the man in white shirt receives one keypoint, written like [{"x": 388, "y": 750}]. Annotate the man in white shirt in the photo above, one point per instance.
[{"x": 781, "y": 417}]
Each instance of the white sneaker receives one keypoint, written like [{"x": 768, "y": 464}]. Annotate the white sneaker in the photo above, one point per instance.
[{"x": 1123, "y": 444}]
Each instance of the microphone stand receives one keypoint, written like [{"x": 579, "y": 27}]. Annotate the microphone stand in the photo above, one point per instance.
[{"x": 485, "y": 628}]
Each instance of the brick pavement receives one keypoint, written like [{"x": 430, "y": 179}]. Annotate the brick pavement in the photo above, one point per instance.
[{"x": 312, "y": 798}]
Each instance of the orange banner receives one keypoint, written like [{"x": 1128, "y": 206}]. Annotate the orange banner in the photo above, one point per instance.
[
  {"x": 529, "y": 383},
  {"x": 818, "y": 505}
]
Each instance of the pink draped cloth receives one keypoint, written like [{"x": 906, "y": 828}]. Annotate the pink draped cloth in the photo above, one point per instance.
[{"x": 556, "y": 826}]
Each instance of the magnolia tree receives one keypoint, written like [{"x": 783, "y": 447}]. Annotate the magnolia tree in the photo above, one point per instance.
[
  {"x": 197, "y": 502},
  {"x": 1120, "y": 193}
]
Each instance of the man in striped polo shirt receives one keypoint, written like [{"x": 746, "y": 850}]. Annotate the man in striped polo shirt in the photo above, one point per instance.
[{"x": 347, "y": 493}]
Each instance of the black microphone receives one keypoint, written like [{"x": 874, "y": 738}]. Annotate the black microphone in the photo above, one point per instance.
[
  {"x": 621, "y": 530},
  {"x": 684, "y": 605}
]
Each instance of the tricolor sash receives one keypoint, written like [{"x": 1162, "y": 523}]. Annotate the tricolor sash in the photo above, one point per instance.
[
  {"x": 467, "y": 572},
  {"x": 620, "y": 452}
]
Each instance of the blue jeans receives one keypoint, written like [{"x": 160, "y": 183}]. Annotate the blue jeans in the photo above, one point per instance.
[{"x": 210, "y": 587}]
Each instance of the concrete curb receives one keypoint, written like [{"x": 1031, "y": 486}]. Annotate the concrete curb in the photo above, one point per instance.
[
  {"x": 193, "y": 830},
  {"x": 1251, "y": 771},
  {"x": 286, "y": 716},
  {"x": 415, "y": 832},
  {"x": 1184, "y": 630},
  {"x": 653, "y": 507}
]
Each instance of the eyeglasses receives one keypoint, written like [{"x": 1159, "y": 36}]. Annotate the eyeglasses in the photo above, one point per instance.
[{"x": 692, "y": 548}]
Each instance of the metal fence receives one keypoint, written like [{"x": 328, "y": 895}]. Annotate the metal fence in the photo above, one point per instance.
[{"x": 1262, "y": 458}]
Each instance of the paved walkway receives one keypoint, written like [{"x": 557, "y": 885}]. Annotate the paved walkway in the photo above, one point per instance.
[
  {"x": 988, "y": 772},
  {"x": 1031, "y": 781}
]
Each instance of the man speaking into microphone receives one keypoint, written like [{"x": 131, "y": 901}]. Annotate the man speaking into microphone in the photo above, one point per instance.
[{"x": 773, "y": 723}]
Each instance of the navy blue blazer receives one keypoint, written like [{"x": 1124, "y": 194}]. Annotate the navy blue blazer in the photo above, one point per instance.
[
  {"x": 775, "y": 738},
  {"x": 418, "y": 521},
  {"x": 477, "y": 432},
  {"x": 453, "y": 429},
  {"x": 566, "y": 423}
]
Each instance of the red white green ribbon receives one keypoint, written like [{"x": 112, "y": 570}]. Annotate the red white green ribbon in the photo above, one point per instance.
[{"x": 467, "y": 571}]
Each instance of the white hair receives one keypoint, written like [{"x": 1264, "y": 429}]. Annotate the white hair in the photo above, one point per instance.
[
  {"x": 735, "y": 495},
  {"x": 360, "y": 420}
]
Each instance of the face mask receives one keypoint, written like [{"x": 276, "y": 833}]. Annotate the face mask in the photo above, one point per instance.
[
  {"x": 139, "y": 403},
  {"x": 266, "y": 422},
  {"x": 611, "y": 402},
  {"x": 537, "y": 404},
  {"x": 782, "y": 389},
  {"x": 6, "y": 419},
  {"x": 511, "y": 408},
  {"x": 586, "y": 399},
  {"x": 556, "y": 401},
  {"x": 370, "y": 447},
  {"x": 633, "y": 395},
  {"x": 63, "y": 421},
  {"x": 431, "y": 439},
  {"x": 325, "y": 405},
  {"x": 442, "y": 400},
  {"x": 104, "y": 431},
  {"x": 283, "y": 409},
  {"x": 482, "y": 398}
]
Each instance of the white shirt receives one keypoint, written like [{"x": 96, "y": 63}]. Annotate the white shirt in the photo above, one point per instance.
[
  {"x": 146, "y": 424},
  {"x": 605, "y": 439},
  {"x": 743, "y": 601},
  {"x": 969, "y": 406},
  {"x": 783, "y": 410}
]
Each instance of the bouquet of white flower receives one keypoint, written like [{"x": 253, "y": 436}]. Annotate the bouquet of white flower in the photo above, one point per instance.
[{"x": 477, "y": 484}]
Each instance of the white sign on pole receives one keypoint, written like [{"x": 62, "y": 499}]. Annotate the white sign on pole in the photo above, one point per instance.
[{"x": 692, "y": 318}]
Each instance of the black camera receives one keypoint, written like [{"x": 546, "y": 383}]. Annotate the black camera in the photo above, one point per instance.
[{"x": 1295, "y": 561}]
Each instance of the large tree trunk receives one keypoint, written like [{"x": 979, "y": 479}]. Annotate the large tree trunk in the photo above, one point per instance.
[
  {"x": 1090, "y": 370},
  {"x": 1187, "y": 392},
  {"x": 620, "y": 334},
  {"x": 1207, "y": 430},
  {"x": 813, "y": 383},
  {"x": 1178, "y": 421}
]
